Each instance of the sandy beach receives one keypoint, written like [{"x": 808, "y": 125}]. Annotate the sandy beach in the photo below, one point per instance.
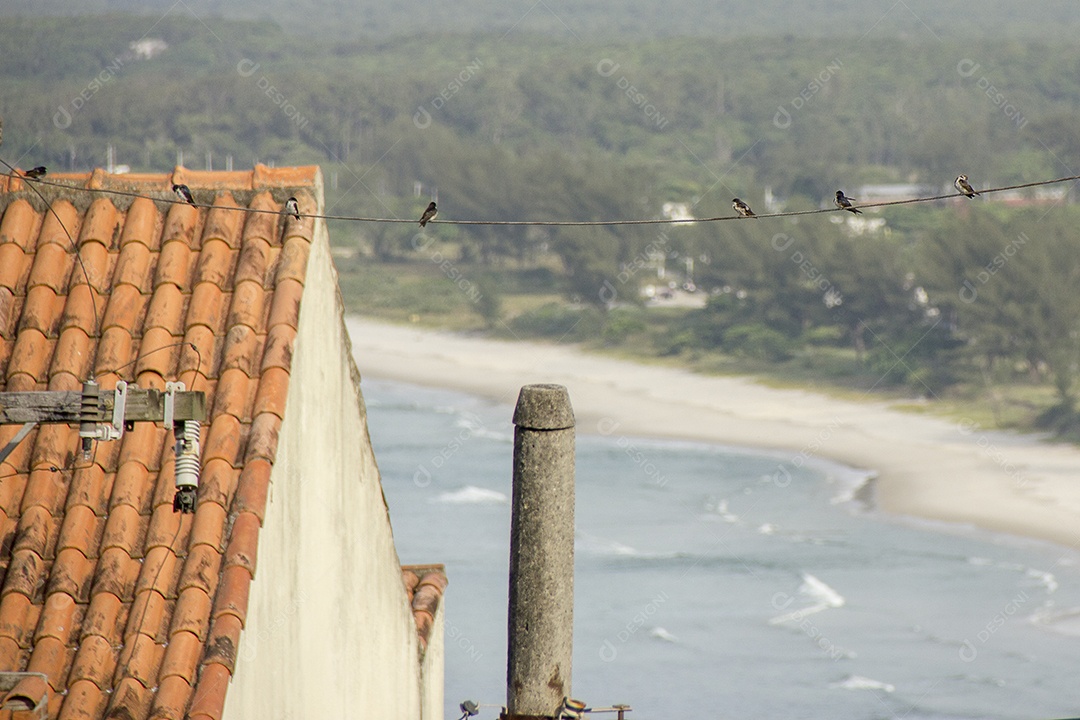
[{"x": 926, "y": 467}]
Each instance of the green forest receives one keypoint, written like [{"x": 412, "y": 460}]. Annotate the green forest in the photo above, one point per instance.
[{"x": 972, "y": 304}]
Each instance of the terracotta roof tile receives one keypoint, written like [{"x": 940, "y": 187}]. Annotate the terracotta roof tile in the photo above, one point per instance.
[
  {"x": 247, "y": 305},
  {"x": 46, "y": 488},
  {"x": 72, "y": 573},
  {"x": 130, "y": 699},
  {"x": 95, "y": 660},
  {"x": 42, "y": 310},
  {"x": 160, "y": 571},
  {"x": 425, "y": 585},
  {"x": 254, "y": 261},
  {"x": 285, "y": 308},
  {"x": 253, "y": 487},
  {"x": 125, "y": 529},
  {"x": 18, "y": 226},
  {"x": 232, "y": 594},
  {"x": 182, "y": 656},
  {"x": 84, "y": 701},
  {"x": 171, "y": 699},
  {"x": 192, "y": 613},
  {"x": 73, "y": 354},
  {"x": 209, "y": 526},
  {"x": 52, "y": 266},
  {"x": 116, "y": 573},
  {"x": 34, "y": 530},
  {"x": 243, "y": 350},
  {"x": 90, "y": 487},
  {"x": 224, "y": 440},
  {"x": 223, "y": 642},
  {"x": 264, "y": 437},
  {"x": 207, "y": 305},
  {"x": 11, "y": 654},
  {"x": 25, "y": 575},
  {"x": 215, "y": 263},
  {"x": 135, "y": 609},
  {"x": 30, "y": 355},
  {"x": 18, "y": 617},
  {"x": 243, "y": 542},
  {"x": 54, "y": 448},
  {"x": 202, "y": 567},
  {"x": 51, "y": 658},
  {"x": 272, "y": 393},
  {"x": 174, "y": 265},
  {"x": 292, "y": 264},
  {"x": 104, "y": 617},
  {"x": 141, "y": 225},
  {"x": 82, "y": 530},
  {"x": 208, "y": 700}
]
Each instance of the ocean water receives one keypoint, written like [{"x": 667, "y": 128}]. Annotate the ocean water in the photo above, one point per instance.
[{"x": 708, "y": 586}]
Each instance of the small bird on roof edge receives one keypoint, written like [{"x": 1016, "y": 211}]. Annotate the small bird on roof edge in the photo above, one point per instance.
[
  {"x": 292, "y": 208},
  {"x": 844, "y": 203},
  {"x": 964, "y": 187},
  {"x": 742, "y": 208},
  {"x": 429, "y": 214},
  {"x": 35, "y": 173},
  {"x": 184, "y": 193}
]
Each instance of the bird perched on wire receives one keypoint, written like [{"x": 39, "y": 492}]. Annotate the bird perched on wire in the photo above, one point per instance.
[
  {"x": 184, "y": 193},
  {"x": 429, "y": 214},
  {"x": 964, "y": 187},
  {"x": 844, "y": 203},
  {"x": 35, "y": 173},
  {"x": 742, "y": 208},
  {"x": 292, "y": 208}
]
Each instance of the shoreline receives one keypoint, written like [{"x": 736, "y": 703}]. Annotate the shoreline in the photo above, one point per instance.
[{"x": 922, "y": 466}]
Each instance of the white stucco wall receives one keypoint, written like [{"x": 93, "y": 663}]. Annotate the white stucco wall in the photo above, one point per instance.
[{"x": 329, "y": 632}]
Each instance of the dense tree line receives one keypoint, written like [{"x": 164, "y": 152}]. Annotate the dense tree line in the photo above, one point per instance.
[{"x": 531, "y": 128}]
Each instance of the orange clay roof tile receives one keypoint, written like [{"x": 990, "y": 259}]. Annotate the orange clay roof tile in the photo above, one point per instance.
[
  {"x": 243, "y": 542},
  {"x": 232, "y": 594},
  {"x": 253, "y": 487},
  {"x": 247, "y": 306},
  {"x": 223, "y": 642},
  {"x": 182, "y": 656},
  {"x": 116, "y": 573},
  {"x": 171, "y": 698},
  {"x": 72, "y": 573},
  {"x": 254, "y": 260},
  {"x": 137, "y": 611},
  {"x": 217, "y": 486},
  {"x": 84, "y": 701},
  {"x": 202, "y": 569},
  {"x": 192, "y": 613},
  {"x": 18, "y": 616},
  {"x": 208, "y": 700}
]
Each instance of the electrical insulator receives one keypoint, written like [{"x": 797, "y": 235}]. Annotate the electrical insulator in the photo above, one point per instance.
[{"x": 187, "y": 465}]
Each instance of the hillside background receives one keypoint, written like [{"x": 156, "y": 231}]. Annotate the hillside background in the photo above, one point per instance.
[{"x": 586, "y": 111}]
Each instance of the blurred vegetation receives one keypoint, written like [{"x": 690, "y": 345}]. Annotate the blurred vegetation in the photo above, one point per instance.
[{"x": 972, "y": 304}]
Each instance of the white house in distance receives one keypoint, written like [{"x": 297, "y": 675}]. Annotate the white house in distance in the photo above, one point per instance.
[{"x": 282, "y": 595}]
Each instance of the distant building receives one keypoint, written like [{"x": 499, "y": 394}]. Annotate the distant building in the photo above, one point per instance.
[{"x": 282, "y": 595}]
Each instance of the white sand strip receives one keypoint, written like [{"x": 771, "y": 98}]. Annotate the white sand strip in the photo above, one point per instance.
[{"x": 928, "y": 467}]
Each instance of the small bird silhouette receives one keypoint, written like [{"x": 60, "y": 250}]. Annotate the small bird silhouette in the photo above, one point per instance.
[
  {"x": 292, "y": 208},
  {"x": 844, "y": 203},
  {"x": 429, "y": 214},
  {"x": 35, "y": 173},
  {"x": 184, "y": 193},
  {"x": 742, "y": 208},
  {"x": 964, "y": 187}
]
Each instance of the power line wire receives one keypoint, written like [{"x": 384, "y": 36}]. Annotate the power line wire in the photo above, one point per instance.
[{"x": 171, "y": 199}]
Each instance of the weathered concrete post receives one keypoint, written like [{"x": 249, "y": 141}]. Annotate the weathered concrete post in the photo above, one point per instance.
[{"x": 541, "y": 617}]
